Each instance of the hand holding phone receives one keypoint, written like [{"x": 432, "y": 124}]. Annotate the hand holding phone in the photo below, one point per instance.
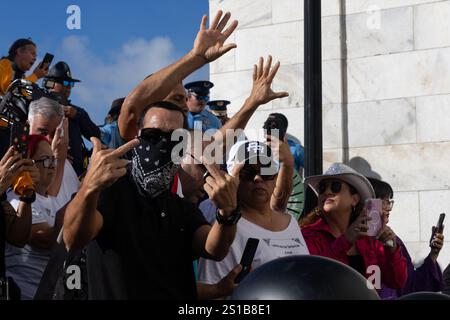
[
  {"x": 48, "y": 58},
  {"x": 247, "y": 258},
  {"x": 19, "y": 137},
  {"x": 439, "y": 228}
]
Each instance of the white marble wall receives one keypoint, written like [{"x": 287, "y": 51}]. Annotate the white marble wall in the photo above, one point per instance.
[{"x": 398, "y": 97}]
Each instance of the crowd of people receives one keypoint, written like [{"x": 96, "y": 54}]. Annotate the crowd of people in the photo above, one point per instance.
[{"x": 141, "y": 224}]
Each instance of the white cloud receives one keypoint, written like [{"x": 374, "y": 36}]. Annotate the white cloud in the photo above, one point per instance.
[{"x": 103, "y": 80}]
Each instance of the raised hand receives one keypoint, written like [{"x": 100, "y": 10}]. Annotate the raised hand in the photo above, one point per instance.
[
  {"x": 263, "y": 76},
  {"x": 358, "y": 228},
  {"x": 280, "y": 150},
  {"x": 11, "y": 166},
  {"x": 209, "y": 43},
  {"x": 41, "y": 70},
  {"x": 60, "y": 142},
  {"x": 106, "y": 165},
  {"x": 436, "y": 244},
  {"x": 222, "y": 188},
  {"x": 388, "y": 238}
]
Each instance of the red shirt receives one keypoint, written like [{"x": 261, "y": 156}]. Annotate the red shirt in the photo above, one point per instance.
[{"x": 321, "y": 241}]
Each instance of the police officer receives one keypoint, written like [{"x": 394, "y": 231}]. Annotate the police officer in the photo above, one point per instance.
[
  {"x": 60, "y": 82},
  {"x": 219, "y": 109},
  {"x": 198, "y": 117}
]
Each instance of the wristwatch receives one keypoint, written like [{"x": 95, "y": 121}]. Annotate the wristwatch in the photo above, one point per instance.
[
  {"x": 231, "y": 220},
  {"x": 28, "y": 198}
]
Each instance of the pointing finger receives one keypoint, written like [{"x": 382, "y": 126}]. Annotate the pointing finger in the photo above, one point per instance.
[{"x": 120, "y": 151}]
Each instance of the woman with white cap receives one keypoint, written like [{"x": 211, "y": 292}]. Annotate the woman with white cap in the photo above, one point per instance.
[
  {"x": 337, "y": 229},
  {"x": 278, "y": 232}
]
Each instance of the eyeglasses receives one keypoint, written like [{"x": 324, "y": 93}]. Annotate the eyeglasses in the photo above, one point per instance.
[
  {"x": 48, "y": 163},
  {"x": 67, "y": 83},
  {"x": 154, "y": 135},
  {"x": 249, "y": 174},
  {"x": 335, "y": 186},
  {"x": 388, "y": 204},
  {"x": 199, "y": 97}
]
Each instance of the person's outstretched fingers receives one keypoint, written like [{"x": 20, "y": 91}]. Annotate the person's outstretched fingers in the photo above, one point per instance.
[{"x": 120, "y": 151}]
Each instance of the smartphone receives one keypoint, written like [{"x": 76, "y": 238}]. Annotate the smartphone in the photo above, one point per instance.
[
  {"x": 374, "y": 211},
  {"x": 247, "y": 258},
  {"x": 48, "y": 58},
  {"x": 439, "y": 226},
  {"x": 19, "y": 137}
]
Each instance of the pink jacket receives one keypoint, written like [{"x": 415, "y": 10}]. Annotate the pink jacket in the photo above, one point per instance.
[{"x": 321, "y": 241}]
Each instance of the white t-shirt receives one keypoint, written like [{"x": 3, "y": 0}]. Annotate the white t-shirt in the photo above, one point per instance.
[
  {"x": 69, "y": 185},
  {"x": 26, "y": 265},
  {"x": 272, "y": 245}
]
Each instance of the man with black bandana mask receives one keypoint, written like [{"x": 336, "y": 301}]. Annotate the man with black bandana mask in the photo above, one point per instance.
[
  {"x": 152, "y": 167},
  {"x": 153, "y": 235}
]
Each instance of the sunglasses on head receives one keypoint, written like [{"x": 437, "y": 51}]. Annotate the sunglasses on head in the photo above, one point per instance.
[
  {"x": 335, "y": 186},
  {"x": 249, "y": 174},
  {"x": 154, "y": 135}
]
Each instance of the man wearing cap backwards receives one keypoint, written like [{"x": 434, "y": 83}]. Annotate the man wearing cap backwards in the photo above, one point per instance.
[
  {"x": 338, "y": 228},
  {"x": 60, "y": 82},
  {"x": 278, "y": 231},
  {"x": 198, "y": 117},
  {"x": 219, "y": 109},
  {"x": 20, "y": 59}
]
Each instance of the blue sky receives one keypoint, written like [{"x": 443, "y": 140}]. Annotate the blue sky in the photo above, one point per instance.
[{"x": 119, "y": 43}]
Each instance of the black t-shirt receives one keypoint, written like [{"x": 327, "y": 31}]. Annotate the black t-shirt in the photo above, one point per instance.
[
  {"x": 357, "y": 263},
  {"x": 150, "y": 243}
]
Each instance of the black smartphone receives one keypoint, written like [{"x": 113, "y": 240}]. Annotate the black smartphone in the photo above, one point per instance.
[
  {"x": 439, "y": 226},
  {"x": 19, "y": 137},
  {"x": 48, "y": 58},
  {"x": 247, "y": 258}
]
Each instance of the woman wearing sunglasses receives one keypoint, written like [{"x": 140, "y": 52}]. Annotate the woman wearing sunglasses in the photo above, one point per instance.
[
  {"x": 337, "y": 228},
  {"x": 26, "y": 265},
  {"x": 427, "y": 277},
  {"x": 278, "y": 232}
]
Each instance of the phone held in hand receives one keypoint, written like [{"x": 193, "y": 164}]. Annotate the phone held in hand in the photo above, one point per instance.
[
  {"x": 19, "y": 137},
  {"x": 374, "y": 211},
  {"x": 48, "y": 58},
  {"x": 247, "y": 258},
  {"x": 439, "y": 228}
]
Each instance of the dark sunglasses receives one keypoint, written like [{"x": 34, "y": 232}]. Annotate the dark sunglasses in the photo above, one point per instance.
[
  {"x": 250, "y": 173},
  {"x": 335, "y": 186},
  {"x": 154, "y": 135},
  {"x": 47, "y": 162},
  {"x": 200, "y": 98}
]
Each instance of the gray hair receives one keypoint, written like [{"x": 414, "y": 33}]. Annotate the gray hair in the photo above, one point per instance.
[{"x": 46, "y": 107}]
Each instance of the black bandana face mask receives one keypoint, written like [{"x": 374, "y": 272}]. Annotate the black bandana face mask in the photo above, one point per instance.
[{"x": 152, "y": 168}]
